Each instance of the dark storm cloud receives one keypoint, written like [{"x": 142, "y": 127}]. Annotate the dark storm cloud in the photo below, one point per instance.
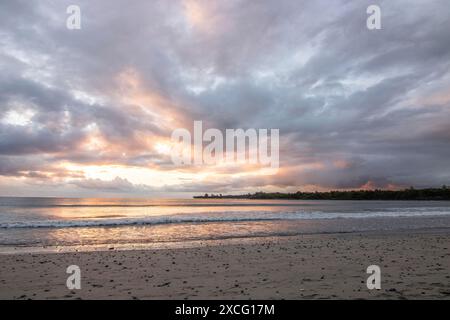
[{"x": 353, "y": 106}]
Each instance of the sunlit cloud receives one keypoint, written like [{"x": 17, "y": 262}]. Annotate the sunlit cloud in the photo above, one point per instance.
[
  {"x": 197, "y": 14},
  {"x": 16, "y": 118}
]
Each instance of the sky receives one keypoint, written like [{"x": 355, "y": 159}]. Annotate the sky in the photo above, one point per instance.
[{"x": 90, "y": 112}]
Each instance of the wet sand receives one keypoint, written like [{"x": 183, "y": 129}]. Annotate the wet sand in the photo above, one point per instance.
[{"x": 413, "y": 266}]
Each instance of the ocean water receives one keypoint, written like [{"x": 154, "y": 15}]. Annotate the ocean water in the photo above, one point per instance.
[{"x": 59, "y": 224}]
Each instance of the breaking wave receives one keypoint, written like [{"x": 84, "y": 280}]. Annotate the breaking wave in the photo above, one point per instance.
[{"x": 222, "y": 217}]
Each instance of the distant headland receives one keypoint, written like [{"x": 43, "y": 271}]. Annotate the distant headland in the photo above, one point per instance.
[{"x": 442, "y": 193}]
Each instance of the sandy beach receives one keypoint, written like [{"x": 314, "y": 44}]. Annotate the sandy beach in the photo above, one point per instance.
[{"x": 413, "y": 266}]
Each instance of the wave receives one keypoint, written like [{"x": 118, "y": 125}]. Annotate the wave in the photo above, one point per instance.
[
  {"x": 122, "y": 222},
  {"x": 222, "y": 217}
]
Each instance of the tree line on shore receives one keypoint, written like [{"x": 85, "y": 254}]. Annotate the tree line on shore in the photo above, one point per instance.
[{"x": 411, "y": 193}]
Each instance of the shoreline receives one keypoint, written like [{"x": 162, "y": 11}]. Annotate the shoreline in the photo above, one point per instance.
[
  {"x": 172, "y": 245},
  {"x": 414, "y": 265}
]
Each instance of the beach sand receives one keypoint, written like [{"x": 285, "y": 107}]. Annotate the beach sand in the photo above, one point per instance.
[{"x": 413, "y": 266}]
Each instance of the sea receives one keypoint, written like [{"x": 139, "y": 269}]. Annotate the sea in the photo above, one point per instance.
[{"x": 68, "y": 224}]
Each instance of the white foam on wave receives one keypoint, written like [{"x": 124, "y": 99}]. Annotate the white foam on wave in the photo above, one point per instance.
[{"x": 224, "y": 217}]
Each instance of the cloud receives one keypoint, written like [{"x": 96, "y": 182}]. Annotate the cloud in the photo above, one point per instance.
[
  {"x": 116, "y": 185},
  {"x": 355, "y": 107}
]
